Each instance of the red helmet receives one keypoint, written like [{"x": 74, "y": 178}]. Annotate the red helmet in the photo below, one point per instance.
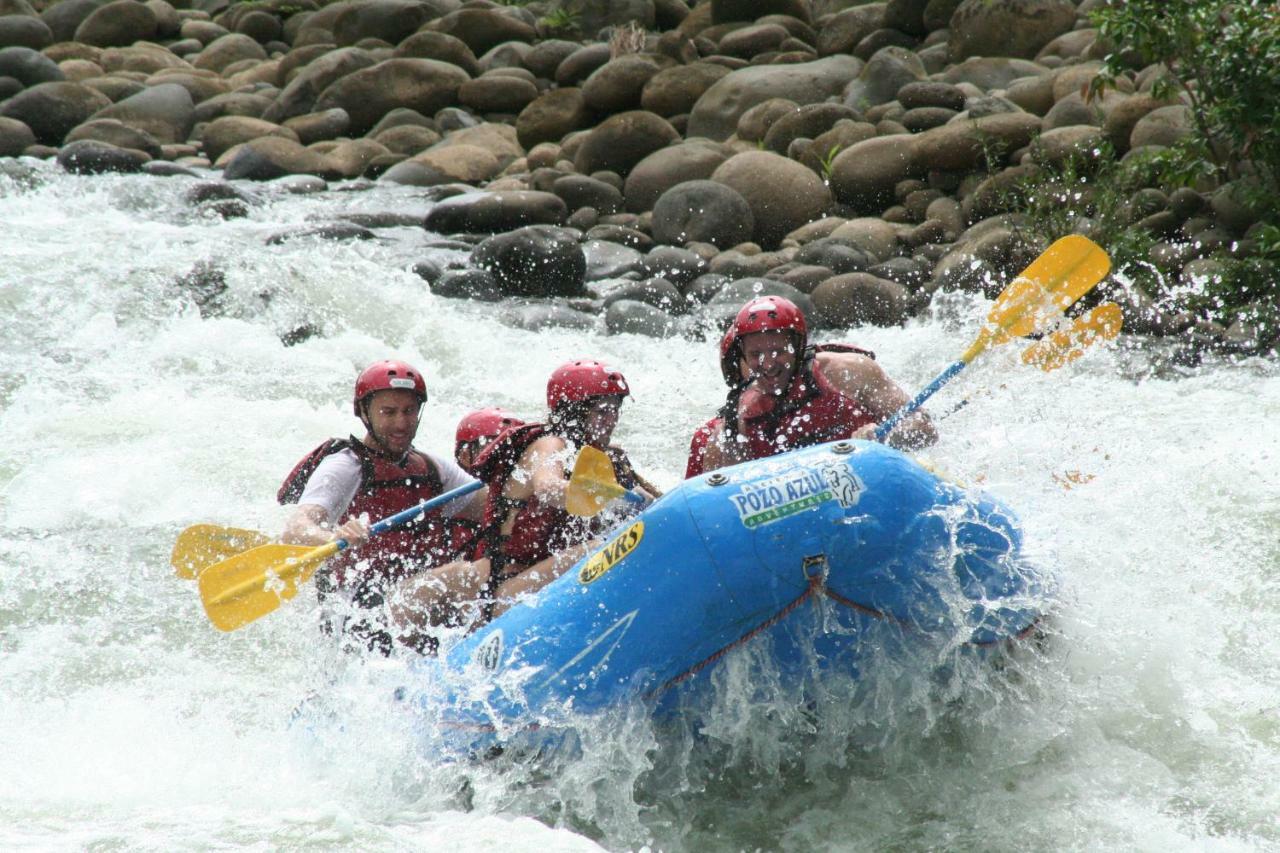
[
  {"x": 584, "y": 379},
  {"x": 761, "y": 314},
  {"x": 484, "y": 423},
  {"x": 387, "y": 376}
]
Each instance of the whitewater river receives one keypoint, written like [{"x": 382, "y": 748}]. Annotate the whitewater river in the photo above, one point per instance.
[{"x": 1149, "y": 721}]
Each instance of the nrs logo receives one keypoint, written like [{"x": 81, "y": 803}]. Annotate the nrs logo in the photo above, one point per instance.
[{"x": 613, "y": 553}]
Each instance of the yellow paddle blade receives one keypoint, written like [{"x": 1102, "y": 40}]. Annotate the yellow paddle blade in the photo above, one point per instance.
[
  {"x": 593, "y": 483},
  {"x": 248, "y": 586},
  {"x": 1064, "y": 272},
  {"x": 202, "y": 545},
  {"x": 1066, "y": 345}
]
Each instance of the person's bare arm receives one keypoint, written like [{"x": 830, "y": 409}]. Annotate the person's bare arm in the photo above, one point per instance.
[
  {"x": 864, "y": 381},
  {"x": 545, "y": 461},
  {"x": 307, "y": 525},
  {"x": 721, "y": 450}
]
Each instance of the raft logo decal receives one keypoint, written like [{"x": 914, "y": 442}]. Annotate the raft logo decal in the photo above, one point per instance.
[
  {"x": 844, "y": 484},
  {"x": 489, "y": 653},
  {"x": 613, "y": 553},
  {"x": 781, "y": 497}
]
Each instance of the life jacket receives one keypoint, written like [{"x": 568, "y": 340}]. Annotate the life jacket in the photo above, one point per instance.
[
  {"x": 537, "y": 530},
  {"x": 386, "y": 487},
  {"x": 698, "y": 447},
  {"x": 812, "y": 411}
]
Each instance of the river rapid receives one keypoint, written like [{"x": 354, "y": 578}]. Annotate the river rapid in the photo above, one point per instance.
[{"x": 1150, "y": 720}]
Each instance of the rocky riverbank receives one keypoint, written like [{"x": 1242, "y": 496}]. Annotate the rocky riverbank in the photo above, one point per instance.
[{"x": 641, "y": 159}]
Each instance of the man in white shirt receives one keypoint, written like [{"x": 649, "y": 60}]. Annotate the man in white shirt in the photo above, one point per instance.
[{"x": 344, "y": 484}]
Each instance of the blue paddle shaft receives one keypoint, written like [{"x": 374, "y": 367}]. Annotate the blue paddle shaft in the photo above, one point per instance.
[
  {"x": 943, "y": 378},
  {"x": 407, "y": 515}
]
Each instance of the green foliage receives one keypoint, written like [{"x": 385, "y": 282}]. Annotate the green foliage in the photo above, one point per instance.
[
  {"x": 1092, "y": 194},
  {"x": 562, "y": 19},
  {"x": 1222, "y": 57},
  {"x": 827, "y": 161},
  {"x": 1102, "y": 197}
]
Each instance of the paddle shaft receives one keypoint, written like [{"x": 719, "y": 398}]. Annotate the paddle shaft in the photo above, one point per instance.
[
  {"x": 413, "y": 512},
  {"x": 886, "y": 426},
  {"x": 324, "y": 552}
]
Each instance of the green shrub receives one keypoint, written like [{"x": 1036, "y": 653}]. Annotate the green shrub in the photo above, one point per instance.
[{"x": 1222, "y": 58}]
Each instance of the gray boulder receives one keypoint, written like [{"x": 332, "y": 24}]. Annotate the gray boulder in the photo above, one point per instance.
[
  {"x": 367, "y": 95},
  {"x": 117, "y": 133},
  {"x": 552, "y": 115},
  {"x": 782, "y": 194},
  {"x": 885, "y": 73},
  {"x": 620, "y": 142},
  {"x": 617, "y": 85},
  {"x": 117, "y": 24},
  {"x": 299, "y": 96},
  {"x": 480, "y": 285},
  {"x": 857, "y": 298},
  {"x": 534, "y": 318},
  {"x": 704, "y": 212},
  {"x": 674, "y": 91},
  {"x": 268, "y": 158},
  {"x": 492, "y": 212},
  {"x": 90, "y": 157},
  {"x": 15, "y": 137},
  {"x": 483, "y": 29},
  {"x": 165, "y": 111},
  {"x": 29, "y": 67},
  {"x": 536, "y": 260},
  {"x": 667, "y": 167},
  {"x": 51, "y": 110},
  {"x": 629, "y": 316},
  {"x": 64, "y": 17},
  {"x": 391, "y": 21},
  {"x": 608, "y": 260},
  {"x": 441, "y": 47},
  {"x": 24, "y": 31},
  {"x": 716, "y": 113},
  {"x": 1018, "y": 28}
]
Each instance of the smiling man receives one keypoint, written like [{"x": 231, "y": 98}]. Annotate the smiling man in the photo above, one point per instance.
[
  {"x": 344, "y": 484},
  {"x": 786, "y": 394}
]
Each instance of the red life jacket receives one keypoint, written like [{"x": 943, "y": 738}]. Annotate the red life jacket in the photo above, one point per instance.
[
  {"x": 813, "y": 411},
  {"x": 698, "y": 447},
  {"x": 538, "y": 530},
  {"x": 386, "y": 487}
]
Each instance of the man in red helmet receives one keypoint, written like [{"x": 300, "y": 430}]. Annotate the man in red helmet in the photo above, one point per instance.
[
  {"x": 531, "y": 537},
  {"x": 344, "y": 484},
  {"x": 786, "y": 394},
  {"x": 477, "y": 429}
]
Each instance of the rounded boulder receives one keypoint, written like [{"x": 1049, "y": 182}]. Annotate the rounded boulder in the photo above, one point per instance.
[
  {"x": 51, "y": 110},
  {"x": 782, "y": 194},
  {"x": 702, "y": 212},
  {"x": 367, "y": 95},
  {"x": 859, "y": 298},
  {"x": 621, "y": 141},
  {"x": 537, "y": 260}
]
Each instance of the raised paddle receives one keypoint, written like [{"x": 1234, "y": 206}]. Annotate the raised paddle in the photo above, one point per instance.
[
  {"x": 248, "y": 586},
  {"x": 202, "y": 545},
  {"x": 1060, "y": 348},
  {"x": 1066, "y": 345},
  {"x": 1067, "y": 270},
  {"x": 594, "y": 484}
]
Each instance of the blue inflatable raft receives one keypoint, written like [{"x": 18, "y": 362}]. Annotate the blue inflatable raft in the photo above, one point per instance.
[{"x": 745, "y": 554}]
